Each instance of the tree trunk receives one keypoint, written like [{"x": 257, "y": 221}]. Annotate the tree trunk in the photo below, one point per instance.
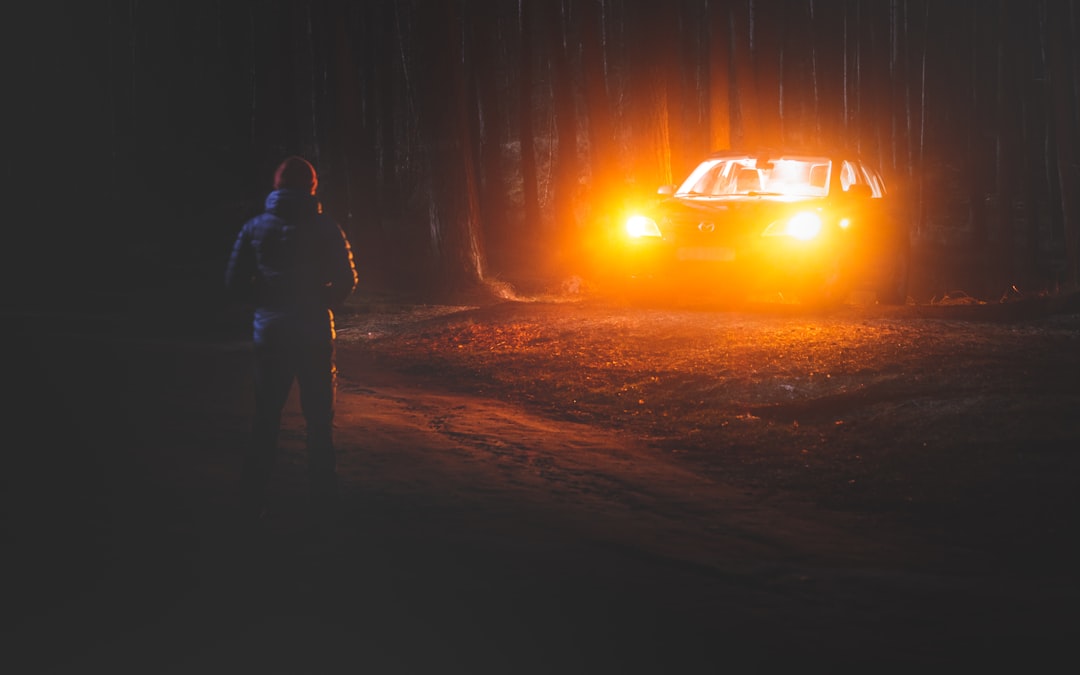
[
  {"x": 566, "y": 170},
  {"x": 603, "y": 159},
  {"x": 719, "y": 69},
  {"x": 526, "y": 132},
  {"x": 1061, "y": 31},
  {"x": 484, "y": 24},
  {"x": 746, "y": 128},
  {"x": 767, "y": 56},
  {"x": 452, "y": 174}
]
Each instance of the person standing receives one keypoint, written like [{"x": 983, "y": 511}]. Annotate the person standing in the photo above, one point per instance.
[{"x": 295, "y": 266}]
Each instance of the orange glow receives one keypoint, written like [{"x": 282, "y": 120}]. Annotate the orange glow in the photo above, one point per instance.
[
  {"x": 641, "y": 226},
  {"x": 740, "y": 223},
  {"x": 804, "y": 226}
]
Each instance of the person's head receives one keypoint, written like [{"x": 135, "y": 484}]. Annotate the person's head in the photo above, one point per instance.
[{"x": 296, "y": 173}]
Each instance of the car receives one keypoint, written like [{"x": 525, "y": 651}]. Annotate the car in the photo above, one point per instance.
[{"x": 809, "y": 226}]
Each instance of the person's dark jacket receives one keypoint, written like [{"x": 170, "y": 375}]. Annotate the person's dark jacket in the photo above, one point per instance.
[{"x": 294, "y": 264}]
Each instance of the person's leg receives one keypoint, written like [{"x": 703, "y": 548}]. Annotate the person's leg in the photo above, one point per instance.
[
  {"x": 317, "y": 377},
  {"x": 274, "y": 373}
]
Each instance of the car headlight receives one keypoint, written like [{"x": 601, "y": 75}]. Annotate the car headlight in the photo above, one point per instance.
[
  {"x": 803, "y": 226},
  {"x": 641, "y": 226}
]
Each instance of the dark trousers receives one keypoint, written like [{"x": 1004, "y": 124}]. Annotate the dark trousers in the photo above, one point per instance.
[{"x": 313, "y": 369}]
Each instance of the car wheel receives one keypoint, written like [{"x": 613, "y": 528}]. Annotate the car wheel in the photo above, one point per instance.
[{"x": 893, "y": 289}]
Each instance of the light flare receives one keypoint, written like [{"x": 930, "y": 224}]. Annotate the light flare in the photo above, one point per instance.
[
  {"x": 638, "y": 226},
  {"x": 804, "y": 226}
]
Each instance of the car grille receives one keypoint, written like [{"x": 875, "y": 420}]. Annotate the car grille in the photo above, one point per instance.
[{"x": 695, "y": 230}]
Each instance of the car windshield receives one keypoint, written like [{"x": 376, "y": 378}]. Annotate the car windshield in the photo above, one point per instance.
[{"x": 788, "y": 176}]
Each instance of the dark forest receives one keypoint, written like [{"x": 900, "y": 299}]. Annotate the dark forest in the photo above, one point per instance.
[
  {"x": 455, "y": 140},
  {"x": 539, "y": 474}
]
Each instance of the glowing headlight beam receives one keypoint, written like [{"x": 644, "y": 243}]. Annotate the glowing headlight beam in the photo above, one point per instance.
[
  {"x": 804, "y": 226},
  {"x": 641, "y": 226}
]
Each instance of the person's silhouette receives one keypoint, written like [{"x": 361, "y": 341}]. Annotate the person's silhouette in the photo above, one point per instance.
[{"x": 294, "y": 265}]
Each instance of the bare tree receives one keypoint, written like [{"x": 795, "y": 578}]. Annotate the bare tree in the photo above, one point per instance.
[
  {"x": 719, "y": 69},
  {"x": 566, "y": 170},
  {"x": 451, "y": 180},
  {"x": 486, "y": 23},
  {"x": 1060, "y": 31},
  {"x": 529, "y": 178}
]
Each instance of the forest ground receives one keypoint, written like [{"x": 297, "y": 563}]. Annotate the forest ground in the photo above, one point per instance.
[{"x": 559, "y": 483}]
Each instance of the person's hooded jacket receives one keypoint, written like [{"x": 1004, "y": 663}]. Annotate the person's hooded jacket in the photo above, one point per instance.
[{"x": 294, "y": 264}]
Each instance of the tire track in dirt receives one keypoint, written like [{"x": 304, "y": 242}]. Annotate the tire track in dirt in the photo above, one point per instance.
[
  {"x": 492, "y": 476},
  {"x": 487, "y": 455}
]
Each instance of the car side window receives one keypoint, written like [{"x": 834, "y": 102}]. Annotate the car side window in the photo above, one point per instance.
[
  {"x": 873, "y": 178},
  {"x": 847, "y": 175},
  {"x": 857, "y": 174}
]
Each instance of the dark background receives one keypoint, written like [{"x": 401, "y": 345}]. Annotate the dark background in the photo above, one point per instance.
[{"x": 456, "y": 140}]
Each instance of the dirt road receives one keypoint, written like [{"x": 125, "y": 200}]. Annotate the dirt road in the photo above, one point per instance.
[{"x": 507, "y": 510}]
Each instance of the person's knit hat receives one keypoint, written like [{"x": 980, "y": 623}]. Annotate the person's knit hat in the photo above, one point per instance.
[{"x": 296, "y": 173}]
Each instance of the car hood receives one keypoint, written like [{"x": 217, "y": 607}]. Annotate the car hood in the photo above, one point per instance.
[{"x": 741, "y": 212}]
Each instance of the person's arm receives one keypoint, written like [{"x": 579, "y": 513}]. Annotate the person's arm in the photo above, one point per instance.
[
  {"x": 343, "y": 276},
  {"x": 240, "y": 271}
]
